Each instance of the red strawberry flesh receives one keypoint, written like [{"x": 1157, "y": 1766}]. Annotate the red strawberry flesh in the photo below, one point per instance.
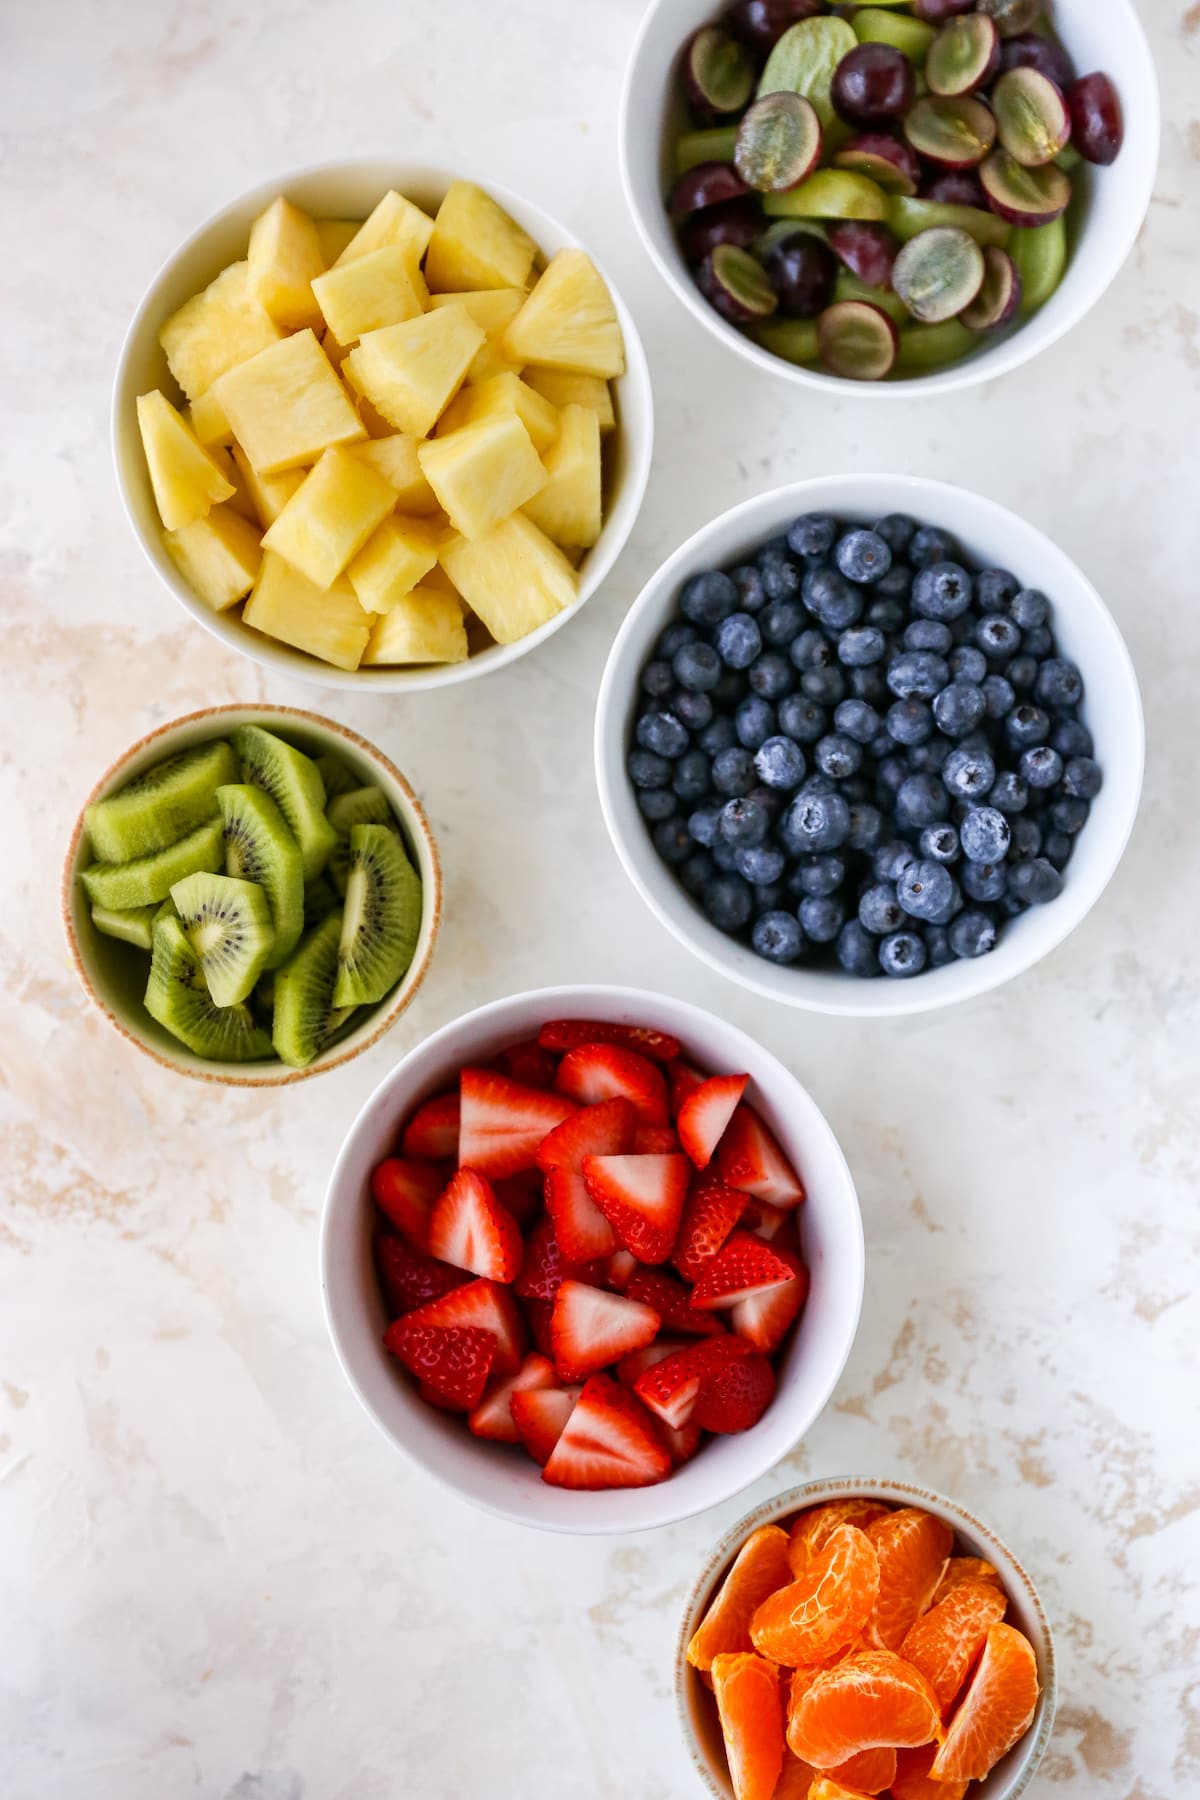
[
  {"x": 597, "y": 1072},
  {"x": 709, "y": 1215},
  {"x": 706, "y": 1112},
  {"x": 473, "y": 1231},
  {"x": 745, "y": 1265},
  {"x": 642, "y": 1198},
  {"x": 454, "y": 1361},
  {"x": 404, "y": 1191},
  {"x": 432, "y": 1132},
  {"x": 503, "y": 1122},
  {"x": 610, "y": 1441},
  {"x": 409, "y": 1279},
  {"x": 591, "y": 1328},
  {"x": 749, "y": 1158},
  {"x": 569, "y": 1034}
]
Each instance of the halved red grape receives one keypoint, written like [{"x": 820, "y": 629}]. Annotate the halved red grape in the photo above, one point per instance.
[
  {"x": 1032, "y": 120},
  {"x": 1012, "y": 17},
  {"x": 778, "y": 143},
  {"x": 761, "y": 23},
  {"x": 1096, "y": 123},
  {"x": 1029, "y": 51},
  {"x": 934, "y": 12},
  {"x": 718, "y": 73},
  {"x": 884, "y": 159},
  {"x": 857, "y": 341},
  {"x": 957, "y": 134},
  {"x": 803, "y": 270},
  {"x": 873, "y": 84},
  {"x": 868, "y": 251},
  {"x": 736, "y": 285},
  {"x": 999, "y": 299},
  {"x": 733, "y": 222},
  {"x": 939, "y": 273},
  {"x": 708, "y": 184},
  {"x": 955, "y": 187},
  {"x": 963, "y": 56},
  {"x": 1024, "y": 196}
]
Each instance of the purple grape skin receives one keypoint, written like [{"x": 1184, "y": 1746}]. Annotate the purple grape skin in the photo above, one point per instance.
[
  {"x": 1033, "y": 52},
  {"x": 936, "y": 12},
  {"x": 1097, "y": 129},
  {"x": 721, "y": 298},
  {"x": 867, "y": 250},
  {"x": 761, "y": 23},
  {"x": 708, "y": 184},
  {"x": 731, "y": 222},
  {"x": 704, "y": 109},
  {"x": 891, "y": 149},
  {"x": 955, "y": 187},
  {"x": 873, "y": 84},
  {"x": 802, "y": 271}
]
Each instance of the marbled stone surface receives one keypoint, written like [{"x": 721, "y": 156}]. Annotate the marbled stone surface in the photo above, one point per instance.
[{"x": 215, "y": 1580}]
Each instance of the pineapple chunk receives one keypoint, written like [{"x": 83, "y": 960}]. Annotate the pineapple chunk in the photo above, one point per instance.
[
  {"x": 395, "y": 458},
  {"x": 394, "y": 221},
  {"x": 426, "y": 626},
  {"x": 206, "y": 416},
  {"x": 269, "y": 494},
  {"x": 562, "y": 388},
  {"x": 504, "y": 393},
  {"x": 476, "y": 245},
  {"x": 493, "y": 310},
  {"x": 185, "y": 478},
  {"x": 411, "y": 372},
  {"x": 286, "y": 405},
  {"x": 330, "y": 516},
  {"x": 392, "y": 562},
  {"x": 483, "y": 472},
  {"x": 337, "y": 353},
  {"x": 368, "y": 293},
  {"x": 284, "y": 256},
  {"x": 216, "y": 330},
  {"x": 327, "y": 622},
  {"x": 377, "y": 426},
  {"x": 241, "y": 500},
  {"x": 569, "y": 321},
  {"x": 218, "y": 556},
  {"x": 568, "y": 508},
  {"x": 515, "y": 579},
  {"x": 333, "y": 236}
]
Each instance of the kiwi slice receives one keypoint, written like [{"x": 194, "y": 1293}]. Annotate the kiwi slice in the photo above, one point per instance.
[
  {"x": 362, "y": 806},
  {"x": 177, "y": 996},
  {"x": 294, "y": 782},
  {"x": 320, "y": 899},
  {"x": 161, "y": 805},
  {"x": 135, "y": 927},
  {"x": 382, "y": 917},
  {"x": 146, "y": 880},
  {"x": 305, "y": 1017},
  {"x": 259, "y": 847},
  {"x": 337, "y": 777},
  {"x": 228, "y": 924}
]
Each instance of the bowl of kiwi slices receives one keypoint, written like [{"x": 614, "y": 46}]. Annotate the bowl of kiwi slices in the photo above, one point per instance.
[{"x": 252, "y": 894}]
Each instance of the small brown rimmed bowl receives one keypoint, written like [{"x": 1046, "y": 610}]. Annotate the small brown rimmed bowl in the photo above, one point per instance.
[
  {"x": 114, "y": 974},
  {"x": 697, "y": 1709}
]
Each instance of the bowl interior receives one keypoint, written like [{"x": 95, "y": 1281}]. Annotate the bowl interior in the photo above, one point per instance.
[
  {"x": 351, "y": 190},
  {"x": 504, "y": 1480},
  {"x": 1104, "y": 221},
  {"x": 698, "y": 1713},
  {"x": 1086, "y": 632},
  {"x": 117, "y": 971}
]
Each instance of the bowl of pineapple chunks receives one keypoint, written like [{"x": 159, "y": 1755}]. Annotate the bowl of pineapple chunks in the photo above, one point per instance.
[
  {"x": 252, "y": 895},
  {"x": 378, "y": 426}
]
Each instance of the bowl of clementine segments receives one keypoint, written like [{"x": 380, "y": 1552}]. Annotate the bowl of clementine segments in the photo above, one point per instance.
[{"x": 856, "y": 1637}]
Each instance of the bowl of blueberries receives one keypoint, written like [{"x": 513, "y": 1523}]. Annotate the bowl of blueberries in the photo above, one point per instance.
[{"x": 869, "y": 744}]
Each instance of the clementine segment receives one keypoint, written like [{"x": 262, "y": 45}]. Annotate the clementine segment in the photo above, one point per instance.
[
  {"x": 760, "y": 1567},
  {"x": 795, "y": 1779},
  {"x": 826, "y": 1608},
  {"x": 825, "y": 1788},
  {"x": 997, "y": 1709},
  {"x": 944, "y": 1643},
  {"x": 961, "y": 1569},
  {"x": 912, "y": 1780},
  {"x": 748, "y": 1705},
  {"x": 812, "y": 1528},
  {"x": 871, "y": 1771},
  {"x": 912, "y": 1548},
  {"x": 870, "y": 1700}
]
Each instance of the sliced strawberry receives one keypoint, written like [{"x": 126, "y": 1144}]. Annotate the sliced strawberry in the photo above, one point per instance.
[
  {"x": 598, "y": 1072},
  {"x": 709, "y": 1215},
  {"x": 522, "y": 1195},
  {"x": 744, "y": 1266},
  {"x": 544, "y": 1269},
  {"x": 503, "y": 1122},
  {"x": 610, "y": 1441},
  {"x": 671, "y": 1388},
  {"x": 529, "y": 1063},
  {"x": 540, "y": 1416},
  {"x": 493, "y": 1417},
  {"x": 408, "y": 1278},
  {"x": 582, "y": 1230},
  {"x": 683, "y": 1078},
  {"x": 735, "y": 1397},
  {"x": 405, "y": 1192},
  {"x": 591, "y": 1328},
  {"x": 768, "y": 1223},
  {"x": 620, "y": 1269},
  {"x": 485, "y": 1305},
  {"x": 642, "y": 1198},
  {"x": 539, "y": 1314},
  {"x": 454, "y": 1361},
  {"x": 764, "y": 1319},
  {"x": 569, "y": 1034},
  {"x": 473, "y": 1231},
  {"x": 654, "y": 1140},
  {"x": 673, "y": 1303},
  {"x": 432, "y": 1132},
  {"x": 749, "y": 1158},
  {"x": 631, "y": 1366},
  {"x": 706, "y": 1112},
  {"x": 604, "y": 1130},
  {"x": 682, "y": 1444}
]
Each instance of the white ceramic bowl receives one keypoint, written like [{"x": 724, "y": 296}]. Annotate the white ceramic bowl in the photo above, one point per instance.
[
  {"x": 697, "y": 1712},
  {"x": 1086, "y": 632},
  {"x": 1108, "y": 37},
  {"x": 349, "y": 190},
  {"x": 503, "y": 1480}
]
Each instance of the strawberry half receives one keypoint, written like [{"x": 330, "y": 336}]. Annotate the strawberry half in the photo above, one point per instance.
[
  {"x": 682, "y": 1444},
  {"x": 735, "y": 1397},
  {"x": 538, "y": 1314},
  {"x": 768, "y": 1223},
  {"x": 503, "y": 1122},
  {"x": 545, "y": 1269},
  {"x": 744, "y": 1266},
  {"x": 598, "y": 1072},
  {"x": 528, "y": 1063},
  {"x": 620, "y": 1269},
  {"x": 706, "y": 1112},
  {"x": 610, "y": 1441},
  {"x": 710, "y": 1214},
  {"x": 453, "y": 1361},
  {"x": 642, "y": 1198},
  {"x": 671, "y": 1388},
  {"x": 493, "y": 1417},
  {"x": 683, "y": 1078},
  {"x": 408, "y": 1278},
  {"x": 749, "y": 1158},
  {"x": 654, "y": 1140},
  {"x": 540, "y": 1416},
  {"x": 582, "y": 1230},
  {"x": 606, "y": 1129},
  {"x": 405, "y": 1192},
  {"x": 432, "y": 1132},
  {"x": 484, "y": 1306},
  {"x": 764, "y": 1319},
  {"x": 673, "y": 1303},
  {"x": 569, "y": 1034},
  {"x": 473, "y": 1231},
  {"x": 631, "y": 1366},
  {"x": 591, "y": 1328}
]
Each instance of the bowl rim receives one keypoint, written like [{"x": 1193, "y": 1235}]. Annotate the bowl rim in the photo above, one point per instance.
[
  {"x": 337, "y": 1200},
  {"x": 278, "y": 1074},
  {"x": 285, "y": 659},
  {"x": 906, "y": 1493},
  {"x": 675, "y": 915},
  {"x": 992, "y": 361}
]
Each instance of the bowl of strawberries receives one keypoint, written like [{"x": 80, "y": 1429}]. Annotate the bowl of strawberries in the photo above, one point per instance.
[{"x": 593, "y": 1258}]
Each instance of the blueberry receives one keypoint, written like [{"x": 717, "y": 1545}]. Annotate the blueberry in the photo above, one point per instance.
[
  {"x": 754, "y": 721},
  {"x": 902, "y": 954},
  {"x": 918, "y": 674},
  {"x": 1057, "y": 848},
  {"x": 1008, "y": 792},
  {"x": 811, "y": 649},
  {"x": 744, "y": 822},
  {"x": 1082, "y": 778},
  {"x": 1041, "y": 767},
  {"x": 728, "y": 902},
  {"x": 926, "y": 890},
  {"x": 693, "y": 710},
  {"x": 777, "y": 937},
  {"x": 856, "y": 950},
  {"x": 1026, "y": 726},
  {"x": 759, "y": 863},
  {"x": 769, "y": 896},
  {"x": 882, "y": 746},
  {"x": 813, "y": 534},
  {"x": 870, "y": 685},
  {"x": 890, "y": 775},
  {"x": 751, "y": 595},
  {"x": 693, "y": 776},
  {"x": 942, "y": 590},
  {"x": 818, "y": 876},
  {"x": 997, "y": 637},
  {"x": 705, "y": 823},
  {"x": 862, "y": 556},
  {"x": 780, "y": 763},
  {"x": 782, "y": 621},
  {"x": 838, "y": 756},
  {"x": 969, "y": 774},
  {"x": 861, "y": 646},
  {"x": 772, "y": 675},
  {"x": 930, "y": 758},
  {"x": 827, "y": 686},
  {"x": 815, "y": 822},
  {"x": 1030, "y": 608},
  {"x": 879, "y": 909},
  {"x": 697, "y": 667},
  {"x": 821, "y": 918},
  {"x": 910, "y": 722},
  {"x": 720, "y": 735},
  {"x": 921, "y": 801},
  {"x": 1026, "y": 836},
  {"x": 802, "y": 719},
  {"x": 1059, "y": 685},
  {"x": 890, "y": 861},
  {"x": 1069, "y": 815},
  {"x": 831, "y": 599},
  {"x": 708, "y": 598},
  {"x": 985, "y": 835},
  {"x": 972, "y": 934},
  {"x": 855, "y": 719},
  {"x": 937, "y": 946},
  {"x": 959, "y": 708},
  {"x": 672, "y": 840},
  {"x": 1070, "y": 737},
  {"x": 780, "y": 578},
  {"x": 656, "y": 804},
  {"x": 897, "y": 531},
  {"x": 731, "y": 688},
  {"x": 866, "y": 826},
  {"x": 1037, "y": 643},
  {"x": 984, "y": 881},
  {"x": 886, "y": 611},
  {"x": 968, "y": 664},
  {"x": 1036, "y": 881},
  {"x": 928, "y": 634},
  {"x": 662, "y": 733},
  {"x": 939, "y": 843},
  {"x": 769, "y": 797},
  {"x": 658, "y": 678},
  {"x": 696, "y": 871},
  {"x": 929, "y": 545},
  {"x": 738, "y": 640},
  {"x": 999, "y": 696},
  {"x": 995, "y": 589},
  {"x": 733, "y": 772},
  {"x": 674, "y": 638},
  {"x": 646, "y": 770},
  {"x": 817, "y": 782},
  {"x": 1022, "y": 673}
]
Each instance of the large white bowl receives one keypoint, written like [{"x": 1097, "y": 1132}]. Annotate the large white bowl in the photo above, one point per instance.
[
  {"x": 349, "y": 190},
  {"x": 503, "y": 1480},
  {"x": 1085, "y": 631},
  {"x": 1107, "y": 36}
]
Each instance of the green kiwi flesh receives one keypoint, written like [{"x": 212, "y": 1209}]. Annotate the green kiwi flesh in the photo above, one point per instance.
[
  {"x": 259, "y": 847},
  {"x": 305, "y": 1018},
  {"x": 178, "y": 997},
  {"x": 381, "y": 920},
  {"x": 161, "y": 805},
  {"x": 361, "y": 806},
  {"x": 119, "y": 887},
  {"x": 294, "y": 783},
  {"x": 320, "y": 899},
  {"x": 228, "y": 925},
  {"x": 337, "y": 777},
  {"x": 135, "y": 927}
]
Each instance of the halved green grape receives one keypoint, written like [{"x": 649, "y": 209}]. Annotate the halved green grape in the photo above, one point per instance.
[
  {"x": 911, "y": 36},
  {"x": 938, "y": 274},
  {"x": 999, "y": 299},
  {"x": 884, "y": 159},
  {"x": 963, "y": 56},
  {"x": 793, "y": 339},
  {"x": 737, "y": 285},
  {"x": 927, "y": 347},
  {"x": 909, "y": 217},
  {"x": 956, "y": 134},
  {"x": 1040, "y": 253},
  {"x": 778, "y": 143},
  {"x": 857, "y": 341},
  {"x": 829, "y": 194},
  {"x": 1024, "y": 196},
  {"x": 849, "y": 287},
  {"x": 704, "y": 146},
  {"x": 803, "y": 62},
  {"x": 718, "y": 72},
  {"x": 1032, "y": 119},
  {"x": 1012, "y": 17}
]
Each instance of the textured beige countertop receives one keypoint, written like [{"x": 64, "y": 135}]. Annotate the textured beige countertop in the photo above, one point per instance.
[{"x": 216, "y": 1581}]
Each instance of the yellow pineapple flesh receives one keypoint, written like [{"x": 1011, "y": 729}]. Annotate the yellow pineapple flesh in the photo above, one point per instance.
[
  {"x": 185, "y": 478},
  {"x": 493, "y": 310},
  {"x": 326, "y": 622},
  {"x": 284, "y": 256},
  {"x": 426, "y": 626},
  {"x": 364, "y": 295},
  {"x": 215, "y": 330},
  {"x": 569, "y": 321},
  {"x": 563, "y": 388},
  {"x": 330, "y": 516},
  {"x": 241, "y": 500},
  {"x": 333, "y": 235},
  {"x": 394, "y": 221},
  {"x": 504, "y": 393},
  {"x": 392, "y": 561},
  {"x": 269, "y": 494},
  {"x": 475, "y": 244},
  {"x": 218, "y": 556},
  {"x": 411, "y": 372},
  {"x": 483, "y": 473},
  {"x": 206, "y": 416},
  {"x": 395, "y": 458},
  {"x": 514, "y": 579},
  {"x": 568, "y": 507},
  {"x": 287, "y": 404}
]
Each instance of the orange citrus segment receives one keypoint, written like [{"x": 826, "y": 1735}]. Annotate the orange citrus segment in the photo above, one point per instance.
[
  {"x": 996, "y": 1710},
  {"x": 870, "y": 1700},
  {"x": 812, "y": 1528},
  {"x": 912, "y": 1548},
  {"x": 961, "y": 1569},
  {"x": 826, "y": 1608},
  {"x": 760, "y": 1567},
  {"x": 912, "y": 1780},
  {"x": 825, "y": 1788},
  {"x": 748, "y": 1705},
  {"x": 870, "y": 1771},
  {"x": 945, "y": 1641},
  {"x": 795, "y": 1779}
]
